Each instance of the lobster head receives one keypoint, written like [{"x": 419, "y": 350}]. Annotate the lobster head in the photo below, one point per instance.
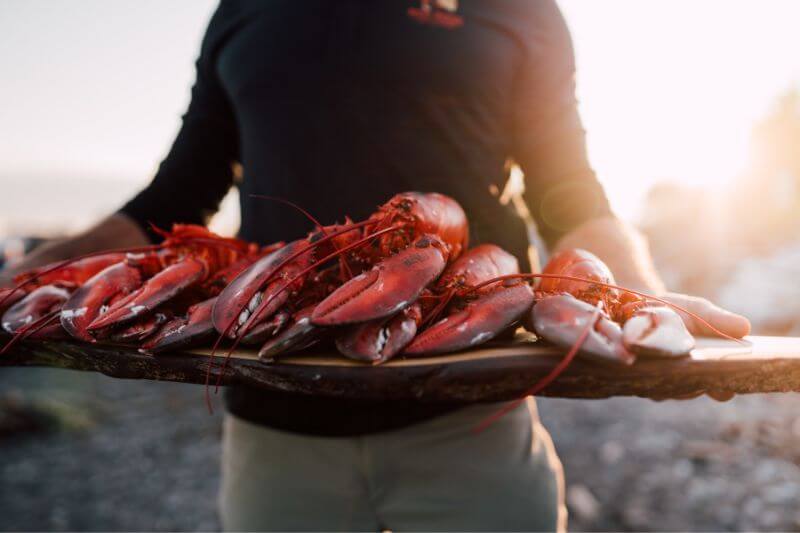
[
  {"x": 580, "y": 264},
  {"x": 419, "y": 214}
]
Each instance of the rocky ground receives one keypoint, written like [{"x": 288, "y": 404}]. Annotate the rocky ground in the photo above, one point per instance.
[
  {"x": 105, "y": 454},
  {"x": 696, "y": 465},
  {"x": 85, "y": 452}
]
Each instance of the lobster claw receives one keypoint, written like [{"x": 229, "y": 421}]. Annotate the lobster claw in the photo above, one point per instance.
[
  {"x": 182, "y": 332},
  {"x": 141, "y": 329},
  {"x": 561, "y": 319},
  {"x": 300, "y": 334},
  {"x": 266, "y": 329},
  {"x": 379, "y": 340},
  {"x": 160, "y": 288},
  {"x": 35, "y": 306},
  {"x": 481, "y": 320},
  {"x": 390, "y": 286},
  {"x": 657, "y": 332},
  {"x": 89, "y": 300},
  {"x": 243, "y": 295}
]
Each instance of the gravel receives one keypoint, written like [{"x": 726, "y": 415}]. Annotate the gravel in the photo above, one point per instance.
[
  {"x": 145, "y": 455},
  {"x": 696, "y": 465},
  {"x": 104, "y": 454}
]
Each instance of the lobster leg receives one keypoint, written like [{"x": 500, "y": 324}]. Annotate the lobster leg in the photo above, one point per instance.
[
  {"x": 162, "y": 287},
  {"x": 561, "y": 319},
  {"x": 390, "y": 286},
  {"x": 379, "y": 340},
  {"x": 480, "y": 320}
]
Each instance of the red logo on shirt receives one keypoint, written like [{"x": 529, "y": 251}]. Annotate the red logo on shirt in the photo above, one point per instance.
[{"x": 440, "y": 13}]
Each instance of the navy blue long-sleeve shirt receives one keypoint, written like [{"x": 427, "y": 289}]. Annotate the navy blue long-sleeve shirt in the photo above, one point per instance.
[{"x": 338, "y": 105}]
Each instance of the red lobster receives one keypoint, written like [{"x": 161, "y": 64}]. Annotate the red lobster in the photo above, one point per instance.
[
  {"x": 388, "y": 306},
  {"x": 404, "y": 246},
  {"x": 576, "y": 298},
  {"x": 379, "y": 340},
  {"x": 32, "y": 307},
  {"x": 116, "y": 293},
  {"x": 628, "y": 324}
]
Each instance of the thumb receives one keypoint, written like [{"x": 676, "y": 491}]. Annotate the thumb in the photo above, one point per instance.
[{"x": 728, "y": 323}]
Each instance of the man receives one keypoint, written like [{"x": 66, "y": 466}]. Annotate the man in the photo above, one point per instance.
[{"x": 337, "y": 106}]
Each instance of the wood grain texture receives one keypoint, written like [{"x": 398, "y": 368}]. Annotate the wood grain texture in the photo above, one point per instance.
[{"x": 497, "y": 372}]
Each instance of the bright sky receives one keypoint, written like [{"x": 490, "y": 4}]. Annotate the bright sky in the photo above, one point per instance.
[
  {"x": 669, "y": 88},
  {"x": 94, "y": 88}
]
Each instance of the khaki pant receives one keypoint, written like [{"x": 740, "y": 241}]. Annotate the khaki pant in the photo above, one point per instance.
[{"x": 436, "y": 475}]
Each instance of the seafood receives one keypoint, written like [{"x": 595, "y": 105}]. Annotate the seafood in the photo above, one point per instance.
[
  {"x": 189, "y": 257},
  {"x": 395, "y": 254},
  {"x": 395, "y": 305},
  {"x": 431, "y": 230},
  {"x": 31, "y": 309},
  {"x": 627, "y": 325},
  {"x": 114, "y": 295},
  {"x": 379, "y": 340},
  {"x": 400, "y": 283},
  {"x": 575, "y": 302},
  {"x": 38, "y": 308}
]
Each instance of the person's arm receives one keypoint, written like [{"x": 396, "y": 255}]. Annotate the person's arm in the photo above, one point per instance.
[
  {"x": 562, "y": 192},
  {"x": 187, "y": 188},
  {"x": 548, "y": 139}
]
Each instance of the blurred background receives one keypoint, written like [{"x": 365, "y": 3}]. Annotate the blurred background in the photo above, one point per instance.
[{"x": 693, "y": 118}]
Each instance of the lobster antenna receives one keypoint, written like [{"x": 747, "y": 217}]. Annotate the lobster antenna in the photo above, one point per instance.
[
  {"x": 434, "y": 314},
  {"x": 545, "y": 381},
  {"x": 263, "y": 305},
  {"x": 610, "y": 286},
  {"x": 309, "y": 216},
  {"x": 290, "y": 204}
]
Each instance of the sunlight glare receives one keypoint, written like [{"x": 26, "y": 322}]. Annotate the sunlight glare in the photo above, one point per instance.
[{"x": 670, "y": 90}]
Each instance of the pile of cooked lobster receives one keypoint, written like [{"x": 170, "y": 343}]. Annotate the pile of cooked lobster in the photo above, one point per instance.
[{"x": 403, "y": 282}]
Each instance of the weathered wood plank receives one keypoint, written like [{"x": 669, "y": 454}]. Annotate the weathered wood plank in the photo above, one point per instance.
[{"x": 498, "y": 372}]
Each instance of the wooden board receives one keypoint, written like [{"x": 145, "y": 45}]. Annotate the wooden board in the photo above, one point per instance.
[{"x": 496, "y": 372}]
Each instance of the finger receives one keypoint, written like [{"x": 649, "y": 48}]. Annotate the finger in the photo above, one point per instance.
[{"x": 728, "y": 323}]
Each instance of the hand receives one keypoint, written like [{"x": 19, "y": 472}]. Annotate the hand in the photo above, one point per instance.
[{"x": 726, "y": 322}]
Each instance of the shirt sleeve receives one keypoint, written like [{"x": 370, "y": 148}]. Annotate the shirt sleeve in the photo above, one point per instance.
[
  {"x": 561, "y": 189},
  {"x": 198, "y": 170}
]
